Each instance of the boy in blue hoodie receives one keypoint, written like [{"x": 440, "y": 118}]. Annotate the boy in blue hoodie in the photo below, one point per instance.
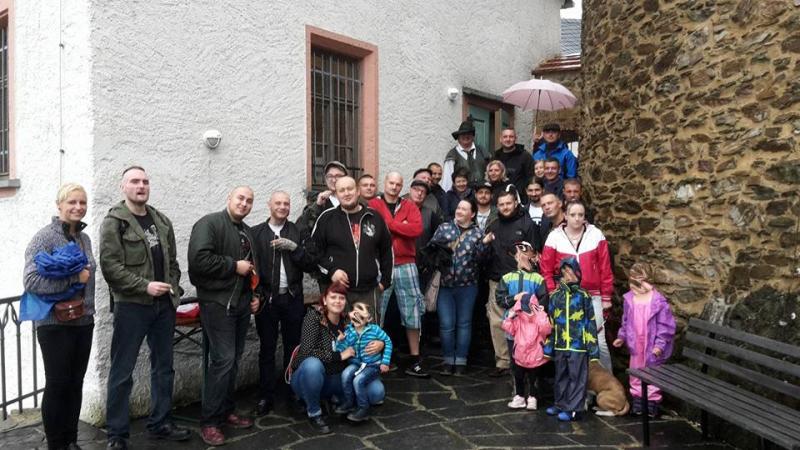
[
  {"x": 362, "y": 368},
  {"x": 573, "y": 342}
]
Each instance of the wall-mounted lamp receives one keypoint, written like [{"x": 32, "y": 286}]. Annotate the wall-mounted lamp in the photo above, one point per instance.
[
  {"x": 212, "y": 138},
  {"x": 452, "y": 94}
]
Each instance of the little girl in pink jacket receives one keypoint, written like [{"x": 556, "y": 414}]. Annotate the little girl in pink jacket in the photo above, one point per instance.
[{"x": 529, "y": 324}]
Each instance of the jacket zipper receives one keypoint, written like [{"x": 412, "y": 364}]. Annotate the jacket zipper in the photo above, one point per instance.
[
  {"x": 569, "y": 337},
  {"x": 360, "y": 231}
]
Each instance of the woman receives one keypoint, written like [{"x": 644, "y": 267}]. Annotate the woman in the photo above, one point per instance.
[
  {"x": 496, "y": 175},
  {"x": 317, "y": 366},
  {"x": 586, "y": 243},
  {"x": 538, "y": 168},
  {"x": 458, "y": 287},
  {"x": 65, "y": 344},
  {"x": 458, "y": 192}
]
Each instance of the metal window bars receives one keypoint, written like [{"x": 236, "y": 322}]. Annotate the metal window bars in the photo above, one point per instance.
[{"x": 4, "y": 125}]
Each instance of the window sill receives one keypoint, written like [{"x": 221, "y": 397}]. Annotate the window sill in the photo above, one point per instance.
[{"x": 9, "y": 186}]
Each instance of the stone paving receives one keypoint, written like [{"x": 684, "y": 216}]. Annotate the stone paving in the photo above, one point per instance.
[{"x": 439, "y": 413}]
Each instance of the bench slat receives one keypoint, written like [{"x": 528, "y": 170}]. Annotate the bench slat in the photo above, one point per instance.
[
  {"x": 744, "y": 354},
  {"x": 760, "y": 341},
  {"x": 744, "y": 373},
  {"x": 753, "y": 401},
  {"x": 720, "y": 404}
]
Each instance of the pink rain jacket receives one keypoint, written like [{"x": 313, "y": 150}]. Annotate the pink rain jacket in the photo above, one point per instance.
[{"x": 529, "y": 332}]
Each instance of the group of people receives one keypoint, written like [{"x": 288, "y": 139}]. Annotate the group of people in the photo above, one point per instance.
[{"x": 480, "y": 219}]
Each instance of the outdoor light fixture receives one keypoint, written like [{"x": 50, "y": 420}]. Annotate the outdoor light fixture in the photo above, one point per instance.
[
  {"x": 212, "y": 138},
  {"x": 452, "y": 94}
]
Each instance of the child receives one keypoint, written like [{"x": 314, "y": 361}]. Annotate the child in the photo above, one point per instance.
[
  {"x": 573, "y": 342},
  {"x": 362, "y": 368},
  {"x": 510, "y": 290},
  {"x": 648, "y": 329},
  {"x": 529, "y": 325}
]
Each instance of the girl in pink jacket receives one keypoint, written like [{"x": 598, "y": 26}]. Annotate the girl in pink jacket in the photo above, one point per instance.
[{"x": 529, "y": 325}]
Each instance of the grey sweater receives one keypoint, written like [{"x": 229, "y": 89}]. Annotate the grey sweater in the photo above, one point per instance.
[{"x": 46, "y": 240}]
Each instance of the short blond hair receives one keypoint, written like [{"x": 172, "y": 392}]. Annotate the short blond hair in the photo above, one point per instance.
[{"x": 66, "y": 189}]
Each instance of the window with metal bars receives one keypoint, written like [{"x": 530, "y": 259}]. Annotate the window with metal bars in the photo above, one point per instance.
[
  {"x": 335, "y": 110},
  {"x": 4, "y": 69}
]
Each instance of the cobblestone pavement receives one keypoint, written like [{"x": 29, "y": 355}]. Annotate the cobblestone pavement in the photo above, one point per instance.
[{"x": 439, "y": 413}]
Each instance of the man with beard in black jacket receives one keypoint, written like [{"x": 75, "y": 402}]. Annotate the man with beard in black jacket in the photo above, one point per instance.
[
  {"x": 518, "y": 162},
  {"x": 512, "y": 225}
]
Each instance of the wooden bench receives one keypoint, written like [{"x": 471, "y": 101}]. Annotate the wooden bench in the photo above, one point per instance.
[{"x": 773, "y": 422}]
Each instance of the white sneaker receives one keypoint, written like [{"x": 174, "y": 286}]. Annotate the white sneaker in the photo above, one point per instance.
[
  {"x": 532, "y": 405},
  {"x": 518, "y": 402}
]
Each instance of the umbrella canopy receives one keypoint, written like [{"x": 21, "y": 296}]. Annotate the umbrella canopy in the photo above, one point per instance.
[{"x": 539, "y": 95}]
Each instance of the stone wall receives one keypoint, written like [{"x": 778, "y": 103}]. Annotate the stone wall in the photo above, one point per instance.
[{"x": 691, "y": 115}]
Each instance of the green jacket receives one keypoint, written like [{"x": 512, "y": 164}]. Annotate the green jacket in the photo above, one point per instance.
[
  {"x": 125, "y": 258},
  {"x": 214, "y": 248}
]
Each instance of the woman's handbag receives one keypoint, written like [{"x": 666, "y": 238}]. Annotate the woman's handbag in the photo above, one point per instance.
[
  {"x": 432, "y": 292},
  {"x": 69, "y": 310}
]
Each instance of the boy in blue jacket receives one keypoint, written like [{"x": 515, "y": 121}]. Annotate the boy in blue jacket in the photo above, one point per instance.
[{"x": 362, "y": 368}]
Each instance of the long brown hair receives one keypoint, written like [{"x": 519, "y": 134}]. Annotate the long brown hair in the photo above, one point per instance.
[{"x": 336, "y": 288}]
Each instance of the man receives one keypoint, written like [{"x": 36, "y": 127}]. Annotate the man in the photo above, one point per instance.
[
  {"x": 436, "y": 188},
  {"x": 553, "y": 147},
  {"x": 486, "y": 213},
  {"x": 572, "y": 193},
  {"x": 534, "y": 193},
  {"x": 405, "y": 225},
  {"x": 425, "y": 174},
  {"x": 325, "y": 199},
  {"x": 417, "y": 193},
  {"x": 282, "y": 261},
  {"x": 351, "y": 245},
  {"x": 553, "y": 216},
  {"x": 511, "y": 226},
  {"x": 465, "y": 155},
  {"x": 367, "y": 188},
  {"x": 139, "y": 263},
  {"x": 552, "y": 177},
  {"x": 518, "y": 162},
  {"x": 223, "y": 266}
]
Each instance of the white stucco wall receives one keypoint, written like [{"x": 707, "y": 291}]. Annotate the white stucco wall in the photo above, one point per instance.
[{"x": 162, "y": 72}]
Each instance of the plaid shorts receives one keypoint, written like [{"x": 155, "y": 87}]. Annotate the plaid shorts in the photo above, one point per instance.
[{"x": 405, "y": 285}]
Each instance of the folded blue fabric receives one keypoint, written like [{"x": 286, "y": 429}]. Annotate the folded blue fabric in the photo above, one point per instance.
[{"x": 64, "y": 262}]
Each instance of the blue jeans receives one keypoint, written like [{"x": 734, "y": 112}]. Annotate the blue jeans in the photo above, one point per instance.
[
  {"x": 132, "y": 323},
  {"x": 311, "y": 384},
  {"x": 356, "y": 384},
  {"x": 455, "y": 305}
]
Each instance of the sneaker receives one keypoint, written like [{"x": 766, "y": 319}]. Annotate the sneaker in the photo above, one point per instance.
[
  {"x": 74, "y": 446},
  {"x": 518, "y": 402},
  {"x": 461, "y": 370},
  {"x": 552, "y": 411},
  {"x": 636, "y": 407},
  {"x": 263, "y": 407},
  {"x": 238, "y": 422},
  {"x": 344, "y": 408},
  {"x": 447, "y": 370},
  {"x": 117, "y": 444},
  {"x": 169, "y": 432},
  {"x": 499, "y": 372},
  {"x": 653, "y": 409},
  {"x": 567, "y": 416},
  {"x": 212, "y": 435},
  {"x": 532, "y": 404},
  {"x": 319, "y": 424},
  {"x": 392, "y": 367},
  {"x": 359, "y": 415},
  {"x": 417, "y": 371}
]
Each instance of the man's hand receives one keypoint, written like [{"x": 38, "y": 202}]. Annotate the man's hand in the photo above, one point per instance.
[
  {"x": 348, "y": 353},
  {"x": 380, "y": 287},
  {"x": 618, "y": 343},
  {"x": 283, "y": 244},
  {"x": 322, "y": 197},
  {"x": 384, "y": 368},
  {"x": 83, "y": 276},
  {"x": 488, "y": 238},
  {"x": 243, "y": 268},
  {"x": 341, "y": 277},
  {"x": 374, "y": 347},
  {"x": 157, "y": 288},
  {"x": 255, "y": 303}
]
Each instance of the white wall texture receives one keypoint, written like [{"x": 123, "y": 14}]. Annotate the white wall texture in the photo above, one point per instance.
[{"x": 144, "y": 80}]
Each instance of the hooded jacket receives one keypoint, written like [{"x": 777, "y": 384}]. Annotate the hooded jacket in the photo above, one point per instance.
[
  {"x": 592, "y": 254},
  {"x": 508, "y": 231},
  {"x": 572, "y": 313},
  {"x": 519, "y": 166},
  {"x": 405, "y": 227},
  {"x": 559, "y": 151},
  {"x": 660, "y": 328},
  {"x": 125, "y": 258},
  {"x": 529, "y": 331},
  {"x": 332, "y": 247}
]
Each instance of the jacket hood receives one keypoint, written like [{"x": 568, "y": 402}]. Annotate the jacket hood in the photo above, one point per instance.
[{"x": 573, "y": 264}]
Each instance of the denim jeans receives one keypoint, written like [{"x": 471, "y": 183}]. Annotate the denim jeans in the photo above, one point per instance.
[
  {"x": 605, "y": 355},
  {"x": 65, "y": 353},
  {"x": 355, "y": 381},
  {"x": 285, "y": 312},
  {"x": 455, "y": 305},
  {"x": 132, "y": 323},
  {"x": 225, "y": 331},
  {"x": 311, "y": 384}
]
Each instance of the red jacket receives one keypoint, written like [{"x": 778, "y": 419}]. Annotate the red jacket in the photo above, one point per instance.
[
  {"x": 593, "y": 257},
  {"x": 405, "y": 227}
]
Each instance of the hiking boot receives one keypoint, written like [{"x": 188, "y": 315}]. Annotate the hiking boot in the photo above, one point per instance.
[
  {"x": 447, "y": 370},
  {"x": 238, "y": 422},
  {"x": 263, "y": 407},
  {"x": 117, "y": 444},
  {"x": 567, "y": 416},
  {"x": 653, "y": 409},
  {"x": 212, "y": 435},
  {"x": 417, "y": 371},
  {"x": 359, "y": 415},
  {"x": 169, "y": 432},
  {"x": 319, "y": 424},
  {"x": 552, "y": 411},
  {"x": 518, "y": 402},
  {"x": 636, "y": 407},
  {"x": 531, "y": 404}
]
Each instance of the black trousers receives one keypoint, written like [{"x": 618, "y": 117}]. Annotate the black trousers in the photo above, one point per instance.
[
  {"x": 65, "y": 352},
  {"x": 526, "y": 379},
  {"x": 285, "y": 314}
]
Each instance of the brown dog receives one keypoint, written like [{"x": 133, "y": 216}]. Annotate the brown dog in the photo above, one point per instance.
[{"x": 611, "y": 398}]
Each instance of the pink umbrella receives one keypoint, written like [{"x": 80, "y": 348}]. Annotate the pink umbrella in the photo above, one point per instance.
[{"x": 539, "y": 95}]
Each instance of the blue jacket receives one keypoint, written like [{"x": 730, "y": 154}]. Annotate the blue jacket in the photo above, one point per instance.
[
  {"x": 359, "y": 342},
  {"x": 568, "y": 161},
  {"x": 574, "y": 328}
]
